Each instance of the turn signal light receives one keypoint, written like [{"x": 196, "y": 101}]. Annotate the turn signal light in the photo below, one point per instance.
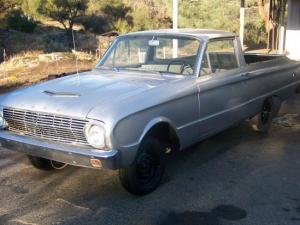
[{"x": 96, "y": 163}]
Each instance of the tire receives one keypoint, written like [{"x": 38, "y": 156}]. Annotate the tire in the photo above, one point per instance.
[
  {"x": 145, "y": 174},
  {"x": 45, "y": 164},
  {"x": 263, "y": 120},
  {"x": 276, "y": 106}
]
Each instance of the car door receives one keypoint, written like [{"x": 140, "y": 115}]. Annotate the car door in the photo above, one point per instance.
[{"x": 220, "y": 87}]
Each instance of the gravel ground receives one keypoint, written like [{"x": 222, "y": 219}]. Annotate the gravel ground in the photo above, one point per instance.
[{"x": 236, "y": 177}]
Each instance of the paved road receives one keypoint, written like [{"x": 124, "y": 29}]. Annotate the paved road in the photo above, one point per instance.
[{"x": 236, "y": 177}]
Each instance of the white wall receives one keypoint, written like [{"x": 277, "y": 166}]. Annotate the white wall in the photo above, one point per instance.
[{"x": 292, "y": 44}]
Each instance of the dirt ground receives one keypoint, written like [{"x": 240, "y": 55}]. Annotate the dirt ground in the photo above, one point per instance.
[
  {"x": 44, "y": 71},
  {"x": 235, "y": 177}
]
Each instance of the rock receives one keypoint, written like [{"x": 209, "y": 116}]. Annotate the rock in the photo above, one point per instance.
[{"x": 288, "y": 120}]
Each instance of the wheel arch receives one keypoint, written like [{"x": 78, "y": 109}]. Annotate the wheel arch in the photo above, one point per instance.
[
  {"x": 276, "y": 103},
  {"x": 164, "y": 130}
]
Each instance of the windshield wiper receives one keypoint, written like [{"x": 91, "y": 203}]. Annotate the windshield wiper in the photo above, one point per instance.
[{"x": 118, "y": 69}]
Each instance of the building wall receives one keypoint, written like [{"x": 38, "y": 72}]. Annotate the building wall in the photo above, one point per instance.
[{"x": 293, "y": 30}]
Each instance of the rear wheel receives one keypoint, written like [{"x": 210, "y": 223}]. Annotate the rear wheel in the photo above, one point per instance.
[
  {"x": 145, "y": 175},
  {"x": 45, "y": 164},
  {"x": 263, "y": 120}
]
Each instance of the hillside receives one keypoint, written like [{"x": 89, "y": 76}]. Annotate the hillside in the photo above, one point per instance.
[{"x": 29, "y": 31}]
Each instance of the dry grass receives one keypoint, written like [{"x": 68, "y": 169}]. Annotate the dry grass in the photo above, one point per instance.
[
  {"x": 34, "y": 58},
  {"x": 28, "y": 68},
  {"x": 35, "y": 53}
]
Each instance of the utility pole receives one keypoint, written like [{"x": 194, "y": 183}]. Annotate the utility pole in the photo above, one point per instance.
[
  {"x": 281, "y": 40},
  {"x": 175, "y": 27},
  {"x": 175, "y": 14},
  {"x": 242, "y": 21}
]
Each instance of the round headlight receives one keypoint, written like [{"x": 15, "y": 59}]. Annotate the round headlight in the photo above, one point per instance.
[
  {"x": 2, "y": 122},
  {"x": 95, "y": 135}
]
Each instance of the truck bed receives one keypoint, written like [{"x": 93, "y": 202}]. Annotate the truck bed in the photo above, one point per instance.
[{"x": 254, "y": 58}]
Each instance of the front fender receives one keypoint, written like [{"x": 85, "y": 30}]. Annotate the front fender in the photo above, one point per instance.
[
  {"x": 152, "y": 123},
  {"x": 129, "y": 134}
]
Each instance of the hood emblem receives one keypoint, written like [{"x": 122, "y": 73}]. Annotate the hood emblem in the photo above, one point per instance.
[{"x": 61, "y": 94}]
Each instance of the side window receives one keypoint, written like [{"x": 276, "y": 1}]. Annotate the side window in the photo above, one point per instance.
[{"x": 219, "y": 56}]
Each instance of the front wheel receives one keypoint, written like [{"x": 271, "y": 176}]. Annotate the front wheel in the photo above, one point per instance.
[
  {"x": 45, "y": 164},
  {"x": 145, "y": 174}
]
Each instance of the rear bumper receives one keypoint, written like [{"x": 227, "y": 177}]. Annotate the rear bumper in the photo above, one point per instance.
[{"x": 74, "y": 155}]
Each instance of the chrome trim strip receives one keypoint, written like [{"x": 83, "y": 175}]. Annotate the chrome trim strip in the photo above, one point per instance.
[{"x": 46, "y": 126}]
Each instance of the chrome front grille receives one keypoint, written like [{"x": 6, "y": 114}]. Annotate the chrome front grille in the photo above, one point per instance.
[{"x": 46, "y": 126}]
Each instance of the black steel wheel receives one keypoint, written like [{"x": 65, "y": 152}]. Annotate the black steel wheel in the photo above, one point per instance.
[
  {"x": 266, "y": 113},
  {"x": 263, "y": 120},
  {"x": 145, "y": 175}
]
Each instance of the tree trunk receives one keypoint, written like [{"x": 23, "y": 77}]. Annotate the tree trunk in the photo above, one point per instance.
[{"x": 263, "y": 10}]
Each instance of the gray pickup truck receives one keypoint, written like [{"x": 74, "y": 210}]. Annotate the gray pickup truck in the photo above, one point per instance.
[{"x": 152, "y": 93}]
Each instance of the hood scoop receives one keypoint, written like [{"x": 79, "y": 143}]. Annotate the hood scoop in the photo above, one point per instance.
[{"x": 62, "y": 94}]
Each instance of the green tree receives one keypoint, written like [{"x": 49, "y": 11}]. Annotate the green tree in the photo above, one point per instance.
[
  {"x": 30, "y": 8},
  {"x": 150, "y": 14},
  {"x": 217, "y": 14},
  {"x": 64, "y": 11},
  {"x": 118, "y": 16},
  {"x": 221, "y": 14},
  {"x": 128, "y": 15},
  {"x": 16, "y": 20},
  {"x": 2, "y": 6},
  {"x": 6, "y": 5}
]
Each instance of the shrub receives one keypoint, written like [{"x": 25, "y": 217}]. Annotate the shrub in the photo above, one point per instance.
[
  {"x": 16, "y": 20},
  {"x": 94, "y": 23},
  {"x": 255, "y": 35}
]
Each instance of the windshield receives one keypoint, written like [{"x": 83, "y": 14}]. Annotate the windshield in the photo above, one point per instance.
[{"x": 175, "y": 55}]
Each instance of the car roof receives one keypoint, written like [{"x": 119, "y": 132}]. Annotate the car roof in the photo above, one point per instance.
[{"x": 204, "y": 34}]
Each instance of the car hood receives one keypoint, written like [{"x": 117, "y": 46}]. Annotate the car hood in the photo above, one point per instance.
[{"x": 77, "y": 95}]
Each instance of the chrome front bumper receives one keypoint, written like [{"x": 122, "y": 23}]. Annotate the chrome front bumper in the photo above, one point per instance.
[{"x": 73, "y": 155}]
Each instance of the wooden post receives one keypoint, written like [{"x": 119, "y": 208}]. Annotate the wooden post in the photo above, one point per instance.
[
  {"x": 100, "y": 47},
  {"x": 4, "y": 55}
]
